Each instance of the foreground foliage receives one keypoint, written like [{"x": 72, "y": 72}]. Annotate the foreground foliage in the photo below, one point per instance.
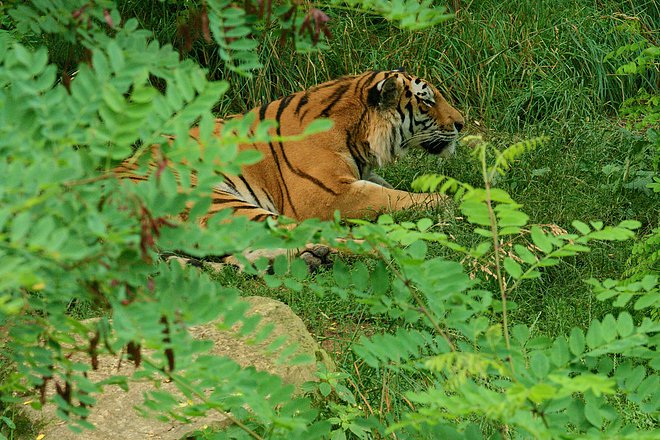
[{"x": 70, "y": 234}]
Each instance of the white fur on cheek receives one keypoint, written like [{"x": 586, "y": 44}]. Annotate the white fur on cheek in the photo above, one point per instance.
[
  {"x": 449, "y": 151},
  {"x": 381, "y": 138}
]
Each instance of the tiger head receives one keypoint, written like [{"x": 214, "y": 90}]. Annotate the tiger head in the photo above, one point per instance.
[{"x": 406, "y": 111}]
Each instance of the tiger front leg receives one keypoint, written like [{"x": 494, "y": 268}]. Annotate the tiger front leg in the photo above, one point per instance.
[
  {"x": 365, "y": 199},
  {"x": 375, "y": 178}
]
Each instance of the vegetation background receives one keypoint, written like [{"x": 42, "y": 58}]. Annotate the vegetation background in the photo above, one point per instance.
[{"x": 517, "y": 70}]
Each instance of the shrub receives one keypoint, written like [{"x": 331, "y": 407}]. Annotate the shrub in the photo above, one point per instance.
[{"x": 72, "y": 234}]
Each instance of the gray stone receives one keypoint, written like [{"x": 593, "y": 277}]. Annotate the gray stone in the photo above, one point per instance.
[{"x": 114, "y": 415}]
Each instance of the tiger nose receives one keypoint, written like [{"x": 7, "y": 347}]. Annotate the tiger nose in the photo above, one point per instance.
[{"x": 456, "y": 120}]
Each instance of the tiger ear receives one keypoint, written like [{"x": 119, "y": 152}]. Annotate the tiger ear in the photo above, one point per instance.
[{"x": 385, "y": 94}]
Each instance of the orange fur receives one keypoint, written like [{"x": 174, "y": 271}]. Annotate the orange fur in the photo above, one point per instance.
[{"x": 377, "y": 116}]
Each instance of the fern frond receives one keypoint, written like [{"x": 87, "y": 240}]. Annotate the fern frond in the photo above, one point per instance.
[
  {"x": 442, "y": 184},
  {"x": 645, "y": 256},
  {"x": 398, "y": 348},
  {"x": 506, "y": 157},
  {"x": 645, "y": 260},
  {"x": 459, "y": 366}
]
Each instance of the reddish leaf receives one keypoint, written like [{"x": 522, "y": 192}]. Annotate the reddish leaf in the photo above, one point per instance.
[
  {"x": 64, "y": 392},
  {"x": 206, "y": 32},
  {"x": 134, "y": 353},
  {"x": 169, "y": 353},
  {"x": 108, "y": 18},
  {"x": 93, "y": 352},
  {"x": 319, "y": 20},
  {"x": 66, "y": 81},
  {"x": 78, "y": 12},
  {"x": 42, "y": 389},
  {"x": 162, "y": 164}
]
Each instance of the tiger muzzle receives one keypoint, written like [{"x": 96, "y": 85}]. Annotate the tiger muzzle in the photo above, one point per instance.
[{"x": 441, "y": 146}]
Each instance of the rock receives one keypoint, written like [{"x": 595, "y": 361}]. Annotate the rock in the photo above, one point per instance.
[{"x": 114, "y": 415}]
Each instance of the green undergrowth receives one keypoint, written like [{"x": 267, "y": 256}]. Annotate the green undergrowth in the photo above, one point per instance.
[{"x": 517, "y": 70}]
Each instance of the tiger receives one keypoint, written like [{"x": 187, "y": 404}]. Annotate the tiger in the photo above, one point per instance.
[{"x": 377, "y": 116}]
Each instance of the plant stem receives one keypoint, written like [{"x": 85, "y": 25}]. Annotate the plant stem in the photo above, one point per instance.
[
  {"x": 200, "y": 395},
  {"x": 418, "y": 300},
  {"x": 496, "y": 248}
]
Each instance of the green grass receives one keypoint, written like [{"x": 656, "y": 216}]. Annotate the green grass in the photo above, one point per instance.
[{"x": 504, "y": 63}]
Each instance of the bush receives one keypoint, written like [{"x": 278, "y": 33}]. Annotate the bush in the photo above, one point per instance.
[{"x": 72, "y": 234}]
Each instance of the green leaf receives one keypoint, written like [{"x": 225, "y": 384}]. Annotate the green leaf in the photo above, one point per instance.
[
  {"x": 473, "y": 432},
  {"x": 635, "y": 378},
  {"x": 318, "y": 126},
  {"x": 417, "y": 249},
  {"x": 594, "y": 334},
  {"x": 525, "y": 254},
  {"x": 114, "y": 100},
  {"x": 481, "y": 249},
  {"x": 380, "y": 279},
  {"x": 509, "y": 230},
  {"x": 116, "y": 56},
  {"x": 23, "y": 55},
  {"x": 476, "y": 212},
  {"x": 20, "y": 227},
  {"x": 499, "y": 195},
  {"x": 593, "y": 414},
  {"x": 520, "y": 332},
  {"x": 649, "y": 282},
  {"x": 533, "y": 274},
  {"x": 143, "y": 94},
  {"x": 280, "y": 265},
  {"x": 630, "y": 224},
  {"x": 541, "y": 392},
  {"x": 424, "y": 224},
  {"x": 513, "y": 268},
  {"x": 360, "y": 276},
  {"x": 540, "y": 239},
  {"x": 612, "y": 233},
  {"x": 576, "y": 342},
  {"x": 560, "y": 352},
  {"x": 248, "y": 157},
  {"x": 299, "y": 269},
  {"x": 509, "y": 216},
  {"x": 272, "y": 282},
  {"x": 341, "y": 274},
  {"x": 583, "y": 228},
  {"x": 338, "y": 434},
  {"x": 243, "y": 45},
  {"x": 325, "y": 389},
  {"x": 539, "y": 364},
  {"x": 625, "y": 325},
  {"x": 609, "y": 328},
  {"x": 548, "y": 261},
  {"x": 9, "y": 422},
  {"x": 484, "y": 232},
  {"x": 605, "y": 366},
  {"x": 292, "y": 284},
  {"x": 651, "y": 299},
  {"x": 100, "y": 63}
]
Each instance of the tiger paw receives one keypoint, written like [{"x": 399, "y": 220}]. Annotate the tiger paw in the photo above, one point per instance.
[{"x": 317, "y": 256}]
